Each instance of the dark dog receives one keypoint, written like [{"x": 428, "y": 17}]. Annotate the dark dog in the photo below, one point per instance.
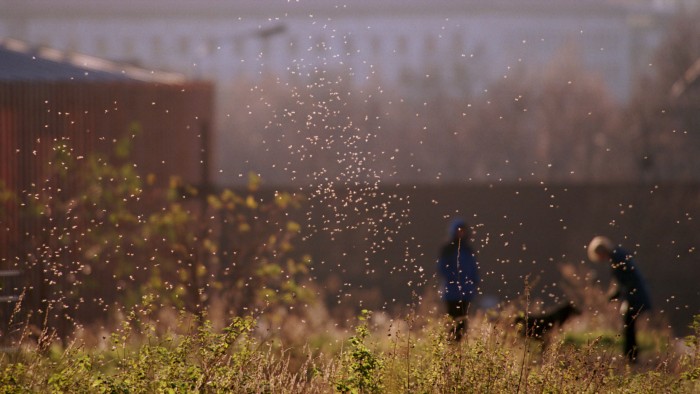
[{"x": 537, "y": 326}]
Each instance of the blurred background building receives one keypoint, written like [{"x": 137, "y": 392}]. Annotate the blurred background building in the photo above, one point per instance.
[
  {"x": 60, "y": 107},
  {"x": 226, "y": 40},
  {"x": 462, "y": 45}
]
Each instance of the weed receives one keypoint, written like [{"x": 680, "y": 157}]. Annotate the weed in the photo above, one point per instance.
[{"x": 362, "y": 369}]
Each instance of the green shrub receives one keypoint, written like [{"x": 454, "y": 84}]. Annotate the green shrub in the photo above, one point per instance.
[{"x": 362, "y": 370}]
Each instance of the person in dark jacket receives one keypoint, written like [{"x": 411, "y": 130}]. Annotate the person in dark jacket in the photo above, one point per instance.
[
  {"x": 630, "y": 287},
  {"x": 459, "y": 275}
]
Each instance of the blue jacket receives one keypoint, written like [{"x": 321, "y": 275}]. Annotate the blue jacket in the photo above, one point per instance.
[
  {"x": 458, "y": 271},
  {"x": 633, "y": 288}
]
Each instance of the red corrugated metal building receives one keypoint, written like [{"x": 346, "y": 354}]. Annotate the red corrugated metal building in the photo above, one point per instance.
[{"x": 47, "y": 97}]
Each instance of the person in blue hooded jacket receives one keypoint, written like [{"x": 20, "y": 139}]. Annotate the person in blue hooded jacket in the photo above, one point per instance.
[
  {"x": 459, "y": 275},
  {"x": 630, "y": 288}
]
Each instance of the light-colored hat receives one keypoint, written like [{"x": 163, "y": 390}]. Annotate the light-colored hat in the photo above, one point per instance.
[{"x": 597, "y": 242}]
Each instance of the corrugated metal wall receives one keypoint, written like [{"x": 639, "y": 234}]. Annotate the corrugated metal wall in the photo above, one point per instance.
[{"x": 34, "y": 116}]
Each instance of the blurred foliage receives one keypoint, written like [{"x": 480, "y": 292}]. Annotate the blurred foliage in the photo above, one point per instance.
[
  {"x": 85, "y": 235},
  {"x": 6, "y": 197},
  {"x": 663, "y": 112},
  {"x": 691, "y": 360},
  {"x": 258, "y": 269},
  {"x": 105, "y": 240},
  {"x": 238, "y": 249}
]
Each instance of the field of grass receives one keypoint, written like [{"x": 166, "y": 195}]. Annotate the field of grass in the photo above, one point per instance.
[
  {"x": 185, "y": 324},
  {"x": 378, "y": 354}
]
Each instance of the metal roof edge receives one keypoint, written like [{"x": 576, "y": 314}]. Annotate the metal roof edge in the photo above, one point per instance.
[{"x": 91, "y": 63}]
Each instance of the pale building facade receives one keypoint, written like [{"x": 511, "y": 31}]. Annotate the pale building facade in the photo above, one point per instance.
[
  {"x": 226, "y": 40},
  {"x": 384, "y": 41}
]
